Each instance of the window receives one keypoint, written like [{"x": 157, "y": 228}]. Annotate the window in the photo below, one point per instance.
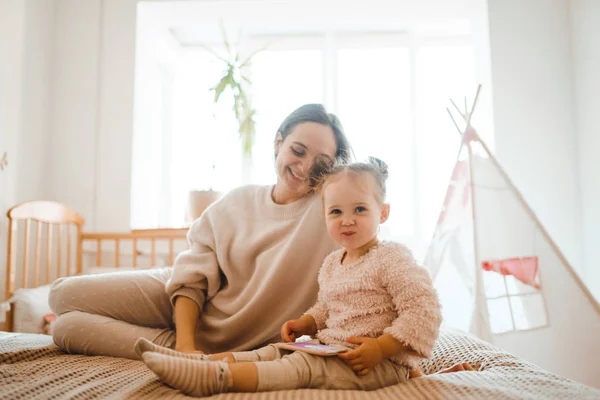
[
  {"x": 389, "y": 90},
  {"x": 374, "y": 104},
  {"x": 514, "y": 300},
  {"x": 282, "y": 80}
]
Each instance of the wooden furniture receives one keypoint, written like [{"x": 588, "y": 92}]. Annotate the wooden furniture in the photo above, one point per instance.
[
  {"x": 49, "y": 219},
  {"x": 46, "y": 241},
  {"x": 153, "y": 236}
]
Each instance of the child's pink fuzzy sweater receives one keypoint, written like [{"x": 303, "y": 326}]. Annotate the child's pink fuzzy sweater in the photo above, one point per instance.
[{"x": 383, "y": 292}]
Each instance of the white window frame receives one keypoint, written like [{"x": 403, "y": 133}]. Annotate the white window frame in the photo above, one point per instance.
[{"x": 330, "y": 43}]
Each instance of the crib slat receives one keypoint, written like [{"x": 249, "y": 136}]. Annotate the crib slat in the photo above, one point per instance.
[
  {"x": 153, "y": 259},
  {"x": 10, "y": 270},
  {"x": 48, "y": 249},
  {"x": 79, "y": 266},
  {"x": 68, "y": 249},
  {"x": 171, "y": 251},
  {"x": 59, "y": 250},
  {"x": 135, "y": 250},
  {"x": 38, "y": 245},
  {"x": 117, "y": 251},
  {"x": 99, "y": 253},
  {"x": 26, "y": 255}
]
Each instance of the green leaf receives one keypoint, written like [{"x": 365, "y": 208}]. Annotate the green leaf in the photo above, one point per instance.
[
  {"x": 214, "y": 53},
  {"x": 244, "y": 77},
  {"x": 248, "y": 59},
  {"x": 221, "y": 86},
  {"x": 225, "y": 41}
]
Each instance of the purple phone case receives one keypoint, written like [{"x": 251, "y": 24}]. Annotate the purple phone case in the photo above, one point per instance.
[{"x": 314, "y": 348}]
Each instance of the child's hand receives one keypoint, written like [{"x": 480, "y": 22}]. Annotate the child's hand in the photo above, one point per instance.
[
  {"x": 365, "y": 357},
  {"x": 293, "y": 329}
]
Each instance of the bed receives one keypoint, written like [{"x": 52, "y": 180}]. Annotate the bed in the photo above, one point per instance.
[{"x": 32, "y": 367}]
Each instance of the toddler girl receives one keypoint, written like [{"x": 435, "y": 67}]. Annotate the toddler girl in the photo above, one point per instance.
[{"x": 373, "y": 298}]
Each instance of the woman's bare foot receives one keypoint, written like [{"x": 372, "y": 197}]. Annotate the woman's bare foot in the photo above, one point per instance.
[{"x": 457, "y": 368}]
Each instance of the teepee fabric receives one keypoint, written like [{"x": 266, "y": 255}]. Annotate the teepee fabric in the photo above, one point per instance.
[{"x": 501, "y": 277}]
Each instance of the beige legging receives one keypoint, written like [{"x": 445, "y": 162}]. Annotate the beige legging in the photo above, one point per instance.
[
  {"x": 105, "y": 314},
  {"x": 284, "y": 370}
]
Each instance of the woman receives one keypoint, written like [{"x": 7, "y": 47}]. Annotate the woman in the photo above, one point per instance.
[{"x": 254, "y": 257}]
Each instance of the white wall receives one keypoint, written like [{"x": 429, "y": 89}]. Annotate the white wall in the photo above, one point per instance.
[
  {"x": 116, "y": 115},
  {"x": 92, "y": 126},
  {"x": 38, "y": 44},
  {"x": 26, "y": 47},
  {"x": 534, "y": 113},
  {"x": 483, "y": 117},
  {"x": 585, "y": 23},
  {"x": 75, "y": 98},
  {"x": 12, "y": 17},
  {"x": 12, "y": 27}
]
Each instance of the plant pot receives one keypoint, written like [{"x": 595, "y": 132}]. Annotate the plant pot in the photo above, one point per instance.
[{"x": 198, "y": 201}]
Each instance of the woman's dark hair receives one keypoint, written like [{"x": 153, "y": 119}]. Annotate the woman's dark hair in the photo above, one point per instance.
[{"x": 317, "y": 113}]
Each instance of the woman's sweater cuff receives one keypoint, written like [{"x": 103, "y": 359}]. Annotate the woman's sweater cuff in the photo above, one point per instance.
[{"x": 193, "y": 294}]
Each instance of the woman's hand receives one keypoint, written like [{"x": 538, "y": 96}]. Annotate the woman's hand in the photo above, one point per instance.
[
  {"x": 365, "y": 357},
  {"x": 294, "y": 328}
]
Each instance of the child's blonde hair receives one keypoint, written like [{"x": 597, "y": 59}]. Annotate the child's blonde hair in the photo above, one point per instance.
[{"x": 322, "y": 173}]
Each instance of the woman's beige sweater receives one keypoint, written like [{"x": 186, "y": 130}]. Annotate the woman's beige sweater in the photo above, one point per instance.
[
  {"x": 383, "y": 292},
  {"x": 252, "y": 265}
]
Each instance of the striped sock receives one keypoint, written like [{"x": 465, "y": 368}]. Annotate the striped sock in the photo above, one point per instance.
[
  {"x": 192, "y": 377},
  {"x": 143, "y": 345}
]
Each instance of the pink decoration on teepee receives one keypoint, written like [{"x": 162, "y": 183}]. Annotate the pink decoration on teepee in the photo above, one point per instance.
[
  {"x": 522, "y": 268},
  {"x": 470, "y": 135},
  {"x": 456, "y": 202}
]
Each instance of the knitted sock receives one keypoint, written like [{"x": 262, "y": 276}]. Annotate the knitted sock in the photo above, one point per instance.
[
  {"x": 143, "y": 345},
  {"x": 192, "y": 377}
]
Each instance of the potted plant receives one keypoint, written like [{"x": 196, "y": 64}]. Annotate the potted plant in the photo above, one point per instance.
[{"x": 236, "y": 82}]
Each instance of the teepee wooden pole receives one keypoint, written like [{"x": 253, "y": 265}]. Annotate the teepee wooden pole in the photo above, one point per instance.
[
  {"x": 528, "y": 209},
  {"x": 468, "y": 120},
  {"x": 457, "y": 109},
  {"x": 481, "y": 311},
  {"x": 480, "y": 302},
  {"x": 454, "y": 121}
]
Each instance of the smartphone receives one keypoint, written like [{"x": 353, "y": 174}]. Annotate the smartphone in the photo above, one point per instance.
[{"x": 313, "y": 348}]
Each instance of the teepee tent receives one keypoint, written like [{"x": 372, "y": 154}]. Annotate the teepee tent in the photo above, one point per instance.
[{"x": 501, "y": 277}]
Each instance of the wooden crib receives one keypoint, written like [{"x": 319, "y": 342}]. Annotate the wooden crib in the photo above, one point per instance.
[{"x": 46, "y": 241}]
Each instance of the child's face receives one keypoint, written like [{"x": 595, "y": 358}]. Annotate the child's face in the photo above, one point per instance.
[{"x": 353, "y": 210}]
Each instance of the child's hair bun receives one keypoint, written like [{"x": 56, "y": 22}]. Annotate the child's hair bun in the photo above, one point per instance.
[{"x": 381, "y": 166}]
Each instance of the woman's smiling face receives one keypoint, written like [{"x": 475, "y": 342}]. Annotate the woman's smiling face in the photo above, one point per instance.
[{"x": 295, "y": 156}]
